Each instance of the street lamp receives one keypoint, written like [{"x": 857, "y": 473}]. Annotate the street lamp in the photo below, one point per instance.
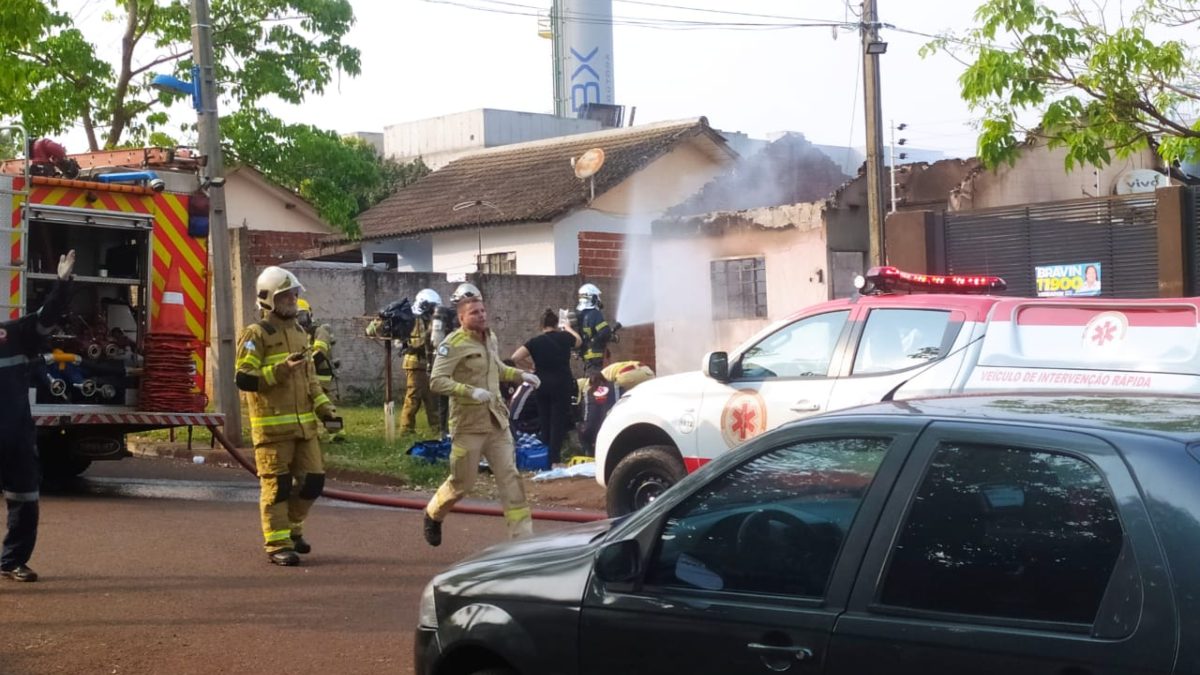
[{"x": 478, "y": 230}]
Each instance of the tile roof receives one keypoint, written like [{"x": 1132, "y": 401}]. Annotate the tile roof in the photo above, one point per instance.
[{"x": 526, "y": 181}]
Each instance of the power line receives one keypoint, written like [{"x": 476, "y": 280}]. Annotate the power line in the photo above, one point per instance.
[
  {"x": 716, "y": 11},
  {"x": 853, "y": 109},
  {"x": 516, "y": 9}
]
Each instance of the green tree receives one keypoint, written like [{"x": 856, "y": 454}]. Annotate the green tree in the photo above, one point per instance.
[
  {"x": 341, "y": 177},
  {"x": 1100, "y": 85},
  {"x": 52, "y": 78}
]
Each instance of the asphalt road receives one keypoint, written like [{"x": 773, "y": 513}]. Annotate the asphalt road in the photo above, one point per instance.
[{"x": 155, "y": 566}]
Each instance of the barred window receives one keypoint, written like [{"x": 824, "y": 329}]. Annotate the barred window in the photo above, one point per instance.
[
  {"x": 739, "y": 288},
  {"x": 497, "y": 263}
]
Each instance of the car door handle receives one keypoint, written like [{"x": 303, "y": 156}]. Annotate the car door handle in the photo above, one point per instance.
[
  {"x": 805, "y": 406},
  {"x": 799, "y": 653}
]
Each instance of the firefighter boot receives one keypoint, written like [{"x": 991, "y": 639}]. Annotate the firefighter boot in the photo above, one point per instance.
[
  {"x": 300, "y": 545},
  {"x": 433, "y": 531},
  {"x": 284, "y": 557}
]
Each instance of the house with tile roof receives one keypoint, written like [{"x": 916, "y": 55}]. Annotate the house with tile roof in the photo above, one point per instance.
[{"x": 520, "y": 209}]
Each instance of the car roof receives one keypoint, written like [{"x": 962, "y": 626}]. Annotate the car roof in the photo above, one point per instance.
[{"x": 1176, "y": 417}]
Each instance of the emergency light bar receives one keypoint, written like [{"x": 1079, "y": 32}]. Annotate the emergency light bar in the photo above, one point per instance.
[{"x": 886, "y": 279}]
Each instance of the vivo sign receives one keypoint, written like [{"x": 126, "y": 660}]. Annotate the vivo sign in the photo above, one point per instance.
[{"x": 1140, "y": 180}]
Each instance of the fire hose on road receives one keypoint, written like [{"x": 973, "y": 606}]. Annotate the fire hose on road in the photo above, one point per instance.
[{"x": 408, "y": 503}]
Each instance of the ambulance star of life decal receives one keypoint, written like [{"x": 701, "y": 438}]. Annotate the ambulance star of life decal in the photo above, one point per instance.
[
  {"x": 744, "y": 417},
  {"x": 1106, "y": 331}
]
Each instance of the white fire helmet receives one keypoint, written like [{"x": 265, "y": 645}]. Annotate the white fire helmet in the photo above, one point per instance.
[
  {"x": 272, "y": 281},
  {"x": 589, "y": 297},
  {"x": 465, "y": 291},
  {"x": 427, "y": 301}
]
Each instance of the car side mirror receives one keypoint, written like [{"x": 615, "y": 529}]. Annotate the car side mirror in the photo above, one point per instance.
[
  {"x": 619, "y": 561},
  {"x": 716, "y": 366}
]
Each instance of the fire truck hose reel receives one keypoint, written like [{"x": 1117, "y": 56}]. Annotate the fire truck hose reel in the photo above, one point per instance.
[{"x": 409, "y": 503}]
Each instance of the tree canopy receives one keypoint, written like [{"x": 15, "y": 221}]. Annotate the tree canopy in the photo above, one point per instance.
[
  {"x": 53, "y": 78},
  {"x": 1102, "y": 82},
  {"x": 341, "y": 176}
]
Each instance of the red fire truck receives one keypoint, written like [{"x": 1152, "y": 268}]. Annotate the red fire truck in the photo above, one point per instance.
[{"x": 131, "y": 354}]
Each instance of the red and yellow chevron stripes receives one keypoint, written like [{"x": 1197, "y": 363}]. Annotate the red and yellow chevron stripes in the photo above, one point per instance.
[
  {"x": 14, "y": 277},
  {"x": 170, "y": 244}
]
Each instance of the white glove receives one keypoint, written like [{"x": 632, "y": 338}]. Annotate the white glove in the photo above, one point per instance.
[
  {"x": 481, "y": 395},
  {"x": 66, "y": 265},
  {"x": 532, "y": 379}
]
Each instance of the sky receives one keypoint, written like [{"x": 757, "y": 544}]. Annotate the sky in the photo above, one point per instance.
[{"x": 424, "y": 58}]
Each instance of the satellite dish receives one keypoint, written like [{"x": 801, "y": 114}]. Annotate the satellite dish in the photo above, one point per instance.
[{"x": 589, "y": 163}]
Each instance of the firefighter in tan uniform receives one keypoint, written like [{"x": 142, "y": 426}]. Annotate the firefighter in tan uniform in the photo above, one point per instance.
[
  {"x": 418, "y": 353},
  {"x": 321, "y": 340},
  {"x": 285, "y": 400},
  {"x": 469, "y": 371}
]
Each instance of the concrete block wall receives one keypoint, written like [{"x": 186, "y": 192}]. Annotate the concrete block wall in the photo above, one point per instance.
[{"x": 348, "y": 298}]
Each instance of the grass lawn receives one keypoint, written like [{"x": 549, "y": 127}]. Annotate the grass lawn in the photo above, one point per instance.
[{"x": 365, "y": 447}]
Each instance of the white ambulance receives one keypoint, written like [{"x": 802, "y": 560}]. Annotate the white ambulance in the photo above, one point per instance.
[{"x": 906, "y": 336}]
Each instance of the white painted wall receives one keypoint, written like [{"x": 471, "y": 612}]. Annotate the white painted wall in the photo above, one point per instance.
[
  {"x": 255, "y": 205},
  {"x": 684, "y": 328},
  {"x": 441, "y": 140},
  {"x": 413, "y": 254},
  {"x": 455, "y": 251}
]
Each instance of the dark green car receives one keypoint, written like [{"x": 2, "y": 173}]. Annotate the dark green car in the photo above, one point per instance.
[{"x": 1005, "y": 535}]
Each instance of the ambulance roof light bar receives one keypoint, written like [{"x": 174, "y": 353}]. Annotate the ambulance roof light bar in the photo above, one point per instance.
[{"x": 890, "y": 279}]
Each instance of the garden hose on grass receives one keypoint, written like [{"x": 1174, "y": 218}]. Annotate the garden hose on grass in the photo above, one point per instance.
[{"x": 415, "y": 504}]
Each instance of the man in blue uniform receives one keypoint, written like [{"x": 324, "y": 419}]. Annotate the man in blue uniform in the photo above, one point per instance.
[{"x": 20, "y": 342}]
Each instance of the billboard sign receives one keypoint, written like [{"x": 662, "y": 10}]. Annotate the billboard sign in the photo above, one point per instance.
[{"x": 1075, "y": 279}]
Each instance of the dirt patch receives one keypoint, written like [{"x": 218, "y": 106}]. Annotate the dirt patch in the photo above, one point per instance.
[{"x": 583, "y": 494}]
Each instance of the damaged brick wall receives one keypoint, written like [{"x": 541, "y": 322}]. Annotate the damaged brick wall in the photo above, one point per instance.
[
  {"x": 275, "y": 248},
  {"x": 600, "y": 254}
]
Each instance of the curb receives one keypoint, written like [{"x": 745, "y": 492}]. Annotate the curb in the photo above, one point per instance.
[{"x": 166, "y": 449}]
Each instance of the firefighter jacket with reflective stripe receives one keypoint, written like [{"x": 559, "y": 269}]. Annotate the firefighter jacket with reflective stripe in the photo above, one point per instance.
[
  {"x": 322, "y": 344},
  {"x": 418, "y": 350},
  {"x": 283, "y": 404},
  {"x": 465, "y": 363},
  {"x": 595, "y": 332},
  {"x": 20, "y": 342}
]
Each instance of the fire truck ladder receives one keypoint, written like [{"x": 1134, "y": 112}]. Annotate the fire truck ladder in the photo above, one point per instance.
[{"x": 14, "y": 240}]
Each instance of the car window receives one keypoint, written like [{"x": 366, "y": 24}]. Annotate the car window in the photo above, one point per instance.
[
  {"x": 895, "y": 339},
  {"x": 1006, "y": 532},
  {"x": 774, "y": 524},
  {"x": 802, "y": 349}
]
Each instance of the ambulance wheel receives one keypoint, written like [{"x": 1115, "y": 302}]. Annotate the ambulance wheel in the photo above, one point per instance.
[{"x": 641, "y": 477}]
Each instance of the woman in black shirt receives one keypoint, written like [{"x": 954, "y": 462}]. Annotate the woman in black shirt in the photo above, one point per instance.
[{"x": 549, "y": 355}]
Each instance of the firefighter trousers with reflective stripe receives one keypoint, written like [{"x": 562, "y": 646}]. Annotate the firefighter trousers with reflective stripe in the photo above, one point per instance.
[
  {"x": 290, "y": 474},
  {"x": 416, "y": 394},
  {"x": 497, "y": 447},
  {"x": 20, "y": 476}
]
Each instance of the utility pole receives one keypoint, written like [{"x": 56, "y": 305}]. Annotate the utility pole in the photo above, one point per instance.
[
  {"x": 872, "y": 48},
  {"x": 218, "y": 233}
]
